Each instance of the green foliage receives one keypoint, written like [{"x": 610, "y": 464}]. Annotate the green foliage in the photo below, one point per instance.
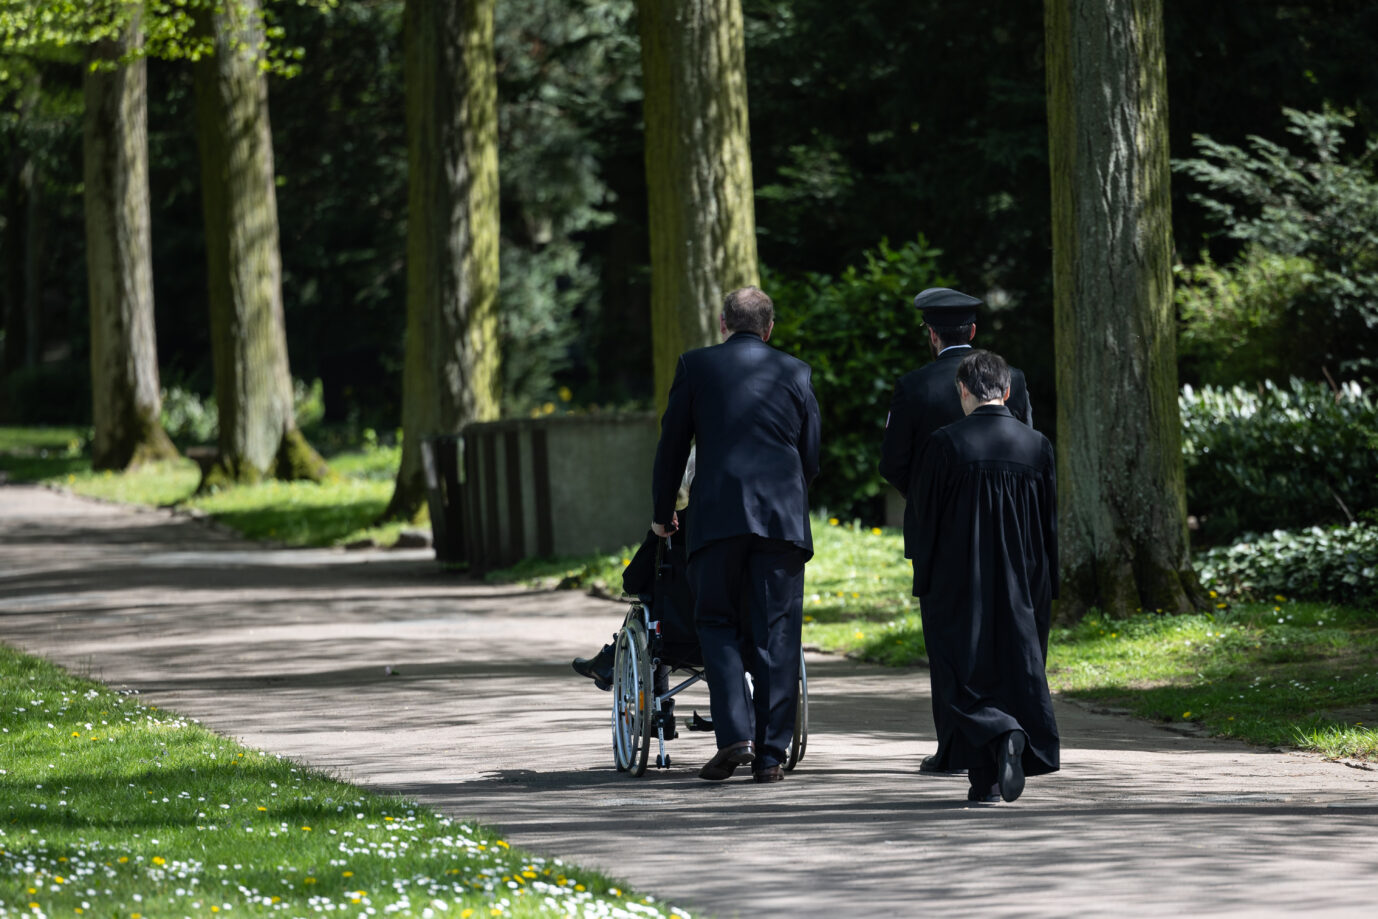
[
  {"x": 1280, "y": 672},
  {"x": 1272, "y": 457},
  {"x": 1319, "y": 207},
  {"x": 190, "y": 418},
  {"x": 175, "y": 820},
  {"x": 1336, "y": 563},
  {"x": 1235, "y": 326},
  {"x": 860, "y": 333}
]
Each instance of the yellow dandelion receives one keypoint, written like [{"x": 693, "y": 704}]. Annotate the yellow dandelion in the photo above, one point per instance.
[
  {"x": 579, "y": 887},
  {"x": 159, "y": 860},
  {"x": 307, "y": 828},
  {"x": 626, "y": 562},
  {"x": 1186, "y": 714},
  {"x": 262, "y": 808},
  {"x": 60, "y": 879},
  {"x": 1214, "y": 595},
  {"x": 548, "y": 408},
  {"x": 565, "y": 393},
  {"x": 123, "y": 859},
  {"x": 860, "y": 635},
  {"x": 808, "y": 619},
  {"x": 308, "y": 880},
  {"x": 215, "y": 909},
  {"x": 503, "y": 844},
  {"x": 876, "y": 531},
  {"x": 76, "y": 733},
  {"x": 1280, "y": 598},
  {"x": 347, "y": 874},
  {"x": 832, "y": 521},
  {"x": 1221, "y": 605}
]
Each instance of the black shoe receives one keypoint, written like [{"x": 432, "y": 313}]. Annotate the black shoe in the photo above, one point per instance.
[
  {"x": 597, "y": 668},
  {"x": 983, "y": 795},
  {"x": 768, "y": 774},
  {"x": 726, "y": 761},
  {"x": 930, "y": 766},
  {"x": 1010, "y": 765}
]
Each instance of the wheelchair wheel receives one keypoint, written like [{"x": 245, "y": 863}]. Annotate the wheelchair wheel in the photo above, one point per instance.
[
  {"x": 631, "y": 698},
  {"x": 800, "y": 741}
]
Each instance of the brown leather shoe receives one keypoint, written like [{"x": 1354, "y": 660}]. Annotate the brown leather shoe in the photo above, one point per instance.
[
  {"x": 727, "y": 759},
  {"x": 768, "y": 774}
]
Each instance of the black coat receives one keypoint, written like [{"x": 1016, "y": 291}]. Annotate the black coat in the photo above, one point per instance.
[
  {"x": 985, "y": 573},
  {"x": 925, "y": 400},
  {"x": 751, "y": 412}
]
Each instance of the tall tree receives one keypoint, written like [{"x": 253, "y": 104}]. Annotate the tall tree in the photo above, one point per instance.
[
  {"x": 253, "y": 383},
  {"x": 451, "y": 369},
  {"x": 126, "y": 401},
  {"x": 698, "y": 171},
  {"x": 1122, "y": 496}
]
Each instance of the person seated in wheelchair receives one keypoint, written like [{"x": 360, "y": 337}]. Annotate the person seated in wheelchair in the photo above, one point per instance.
[{"x": 656, "y": 577}]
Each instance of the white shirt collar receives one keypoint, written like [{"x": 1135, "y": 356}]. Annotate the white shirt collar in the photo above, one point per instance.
[{"x": 951, "y": 348}]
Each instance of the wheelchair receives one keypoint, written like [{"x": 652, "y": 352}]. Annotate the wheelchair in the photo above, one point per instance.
[{"x": 652, "y": 644}]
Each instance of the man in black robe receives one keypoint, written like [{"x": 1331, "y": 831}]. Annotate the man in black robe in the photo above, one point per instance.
[
  {"x": 751, "y": 415},
  {"x": 985, "y": 573},
  {"x": 926, "y": 399}
]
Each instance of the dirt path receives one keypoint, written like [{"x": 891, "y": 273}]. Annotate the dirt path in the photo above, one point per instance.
[{"x": 481, "y": 717}]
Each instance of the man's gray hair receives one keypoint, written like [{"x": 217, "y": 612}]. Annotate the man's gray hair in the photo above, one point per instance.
[
  {"x": 985, "y": 375},
  {"x": 748, "y": 309}
]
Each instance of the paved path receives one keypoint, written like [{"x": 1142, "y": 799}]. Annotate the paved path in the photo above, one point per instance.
[{"x": 482, "y": 718}]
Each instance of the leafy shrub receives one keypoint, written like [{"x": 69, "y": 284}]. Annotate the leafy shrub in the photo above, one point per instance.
[
  {"x": 1234, "y": 318},
  {"x": 1317, "y": 206},
  {"x": 1270, "y": 457},
  {"x": 1337, "y": 564},
  {"x": 190, "y": 418},
  {"x": 861, "y": 333}
]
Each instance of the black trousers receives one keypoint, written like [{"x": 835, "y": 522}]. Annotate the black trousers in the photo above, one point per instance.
[{"x": 749, "y": 613}]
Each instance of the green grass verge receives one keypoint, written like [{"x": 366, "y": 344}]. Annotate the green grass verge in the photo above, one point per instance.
[
  {"x": 341, "y": 510},
  {"x": 109, "y": 807},
  {"x": 1283, "y": 673}
]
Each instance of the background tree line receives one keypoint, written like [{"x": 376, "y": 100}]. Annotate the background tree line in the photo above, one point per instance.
[{"x": 900, "y": 144}]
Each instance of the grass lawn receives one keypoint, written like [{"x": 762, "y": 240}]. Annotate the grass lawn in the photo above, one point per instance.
[
  {"x": 341, "y": 510},
  {"x": 1282, "y": 673},
  {"x": 109, "y": 807}
]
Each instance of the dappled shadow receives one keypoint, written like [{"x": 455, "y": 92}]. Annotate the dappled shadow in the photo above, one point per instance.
[{"x": 386, "y": 672}]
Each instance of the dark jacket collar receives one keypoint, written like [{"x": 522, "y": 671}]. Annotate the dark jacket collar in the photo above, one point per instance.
[{"x": 992, "y": 410}]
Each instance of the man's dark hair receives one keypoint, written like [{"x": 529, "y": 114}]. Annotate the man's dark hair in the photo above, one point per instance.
[
  {"x": 748, "y": 309},
  {"x": 949, "y": 335},
  {"x": 985, "y": 375}
]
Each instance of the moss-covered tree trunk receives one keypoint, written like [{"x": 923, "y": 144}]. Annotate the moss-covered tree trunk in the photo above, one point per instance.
[
  {"x": 126, "y": 402},
  {"x": 1122, "y": 496},
  {"x": 253, "y": 384},
  {"x": 698, "y": 171},
  {"x": 451, "y": 374}
]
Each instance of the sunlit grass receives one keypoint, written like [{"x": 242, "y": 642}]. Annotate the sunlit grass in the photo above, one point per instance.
[
  {"x": 343, "y": 509},
  {"x": 109, "y": 807}
]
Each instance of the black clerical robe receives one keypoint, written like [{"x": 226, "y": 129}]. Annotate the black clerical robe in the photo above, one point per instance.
[{"x": 985, "y": 573}]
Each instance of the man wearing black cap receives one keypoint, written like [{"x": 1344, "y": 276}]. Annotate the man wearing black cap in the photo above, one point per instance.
[
  {"x": 985, "y": 572},
  {"x": 925, "y": 400}
]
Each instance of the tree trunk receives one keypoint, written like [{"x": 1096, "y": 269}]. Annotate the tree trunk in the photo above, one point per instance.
[
  {"x": 126, "y": 402},
  {"x": 253, "y": 384},
  {"x": 12, "y": 250},
  {"x": 702, "y": 215},
  {"x": 451, "y": 374},
  {"x": 1122, "y": 495}
]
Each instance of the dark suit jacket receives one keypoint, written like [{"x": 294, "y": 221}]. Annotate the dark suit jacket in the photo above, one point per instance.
[
  {"x": 925, "y": 400},
  {"x": 751, "y": 411}
]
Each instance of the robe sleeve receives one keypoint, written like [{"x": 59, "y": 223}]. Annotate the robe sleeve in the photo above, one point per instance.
[{"x": 930, "y": 494}]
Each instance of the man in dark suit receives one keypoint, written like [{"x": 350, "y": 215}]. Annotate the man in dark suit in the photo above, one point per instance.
[
  {"x": 986, "y": 573},
  {"x": 926, "y": 399},
  {"x": 750, "y": 412}
]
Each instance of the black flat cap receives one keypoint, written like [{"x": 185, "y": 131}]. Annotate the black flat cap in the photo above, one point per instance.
[{"x": 943, "y": 306}]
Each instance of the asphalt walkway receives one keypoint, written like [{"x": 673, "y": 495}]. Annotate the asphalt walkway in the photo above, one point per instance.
[{"x": 384, "y": 670}]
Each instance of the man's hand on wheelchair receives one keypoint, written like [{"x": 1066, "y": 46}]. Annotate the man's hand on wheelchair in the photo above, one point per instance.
[{"x": 665, "y": 529}]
